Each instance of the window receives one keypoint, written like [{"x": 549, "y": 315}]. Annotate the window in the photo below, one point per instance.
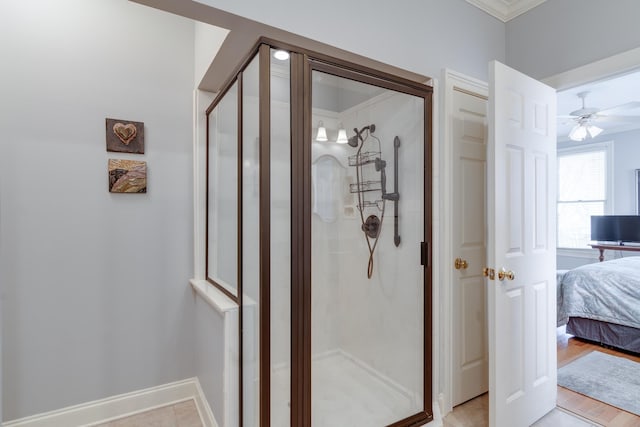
[{"x": 584, "y": 189}]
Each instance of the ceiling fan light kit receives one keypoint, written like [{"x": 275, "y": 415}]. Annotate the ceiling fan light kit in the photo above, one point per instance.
[
  {"x": 581, "y": 130},
  {"x": 584, "y": 118}
]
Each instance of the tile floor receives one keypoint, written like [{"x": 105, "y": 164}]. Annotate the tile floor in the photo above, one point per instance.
[
  {"x": 475, "y": 413},
  {"x": 183, "y": 414},
  {"x": 470, "y": 414}
]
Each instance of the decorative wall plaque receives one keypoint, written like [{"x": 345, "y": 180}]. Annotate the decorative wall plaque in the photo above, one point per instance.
[
  {"x": 127, "y": 176},
  {"x": 125, "y": 136}
]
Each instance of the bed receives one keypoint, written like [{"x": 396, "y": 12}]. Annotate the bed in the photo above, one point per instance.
[{"x": 601, "y": 302}]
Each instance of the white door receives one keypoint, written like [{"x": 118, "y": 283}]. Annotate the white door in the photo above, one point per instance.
[
  {"x": 469, "y": 142},
  {"x": 521, "y": 240}
]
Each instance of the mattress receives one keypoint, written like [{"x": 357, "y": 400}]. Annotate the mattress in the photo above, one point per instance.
[{"x": 607, "y": 291}]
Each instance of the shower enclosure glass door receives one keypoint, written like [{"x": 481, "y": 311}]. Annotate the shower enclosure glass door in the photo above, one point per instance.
[
  {"x": 319, "y": 229},
  {"x": 367, "y": 282}
]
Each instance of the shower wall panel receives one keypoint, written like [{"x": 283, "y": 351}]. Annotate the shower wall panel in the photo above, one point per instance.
[{"x": 392, "y": 300}]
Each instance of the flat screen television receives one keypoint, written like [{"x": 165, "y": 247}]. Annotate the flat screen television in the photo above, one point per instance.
[{"x": 615, "y": 228}]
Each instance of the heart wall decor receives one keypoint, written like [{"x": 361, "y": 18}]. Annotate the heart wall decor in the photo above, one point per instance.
[
  {"x": 125, "y": 136},
  {"x": 125, "y": 132}
]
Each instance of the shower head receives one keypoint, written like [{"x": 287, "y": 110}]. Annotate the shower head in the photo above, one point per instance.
[{"x": 357, "y": 138}]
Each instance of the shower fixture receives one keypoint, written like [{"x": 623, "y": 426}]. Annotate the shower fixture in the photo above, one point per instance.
[
  {"x": 372, "y": 225},
  {"x": 357, "y": 138}
]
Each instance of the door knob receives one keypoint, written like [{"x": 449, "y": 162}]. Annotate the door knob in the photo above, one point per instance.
[
  {"x": 489, "y": 272},
  {"x": 461, "y": 264},
  {"x": 504, "y": 274}
]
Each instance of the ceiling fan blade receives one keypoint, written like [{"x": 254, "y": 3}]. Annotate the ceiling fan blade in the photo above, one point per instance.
[
  {"x": 567, "y": 116},
  {"x": 628, "y": 106},
  {"x": 616, "y": 119}
]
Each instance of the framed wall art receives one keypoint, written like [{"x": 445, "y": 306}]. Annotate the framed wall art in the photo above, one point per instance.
[
  {"x": 127, "y": 176},
  {"x": 125, "y": 136}
]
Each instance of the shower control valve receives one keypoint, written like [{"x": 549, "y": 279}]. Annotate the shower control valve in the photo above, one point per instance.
[{"x": 371, "y": 226}]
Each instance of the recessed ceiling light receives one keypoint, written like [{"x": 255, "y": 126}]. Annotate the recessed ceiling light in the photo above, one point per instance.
[{"x": 282, "y": 55}]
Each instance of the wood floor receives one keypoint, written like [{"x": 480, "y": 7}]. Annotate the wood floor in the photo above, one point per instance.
[
  {"x": 569, "y": 349},
  {"x": 589, "y": 412}
]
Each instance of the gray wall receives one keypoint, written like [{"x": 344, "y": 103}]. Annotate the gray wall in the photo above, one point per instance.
[
  {"x": 94, "y": 285},
  {"x": 626, "y": 159},
  {"x": 560, "y": 35},
  {"x": 626, "y": 156},
  {"x": 209, "y": 355},
  {"x": 417, "y": 35}
]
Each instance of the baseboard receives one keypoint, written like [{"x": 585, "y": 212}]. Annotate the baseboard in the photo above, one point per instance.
[
  {"x": 437, "y": 415},
  {"x": 206, "y": 414},
  {"x": 123, "y": 405}
]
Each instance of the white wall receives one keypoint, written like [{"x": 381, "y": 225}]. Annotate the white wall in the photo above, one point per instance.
[
  {"x": 420, "y": 36},
  {"x": 560, "y": 35},
  {"x": 208, "y": 40},
  {"x": 626, "y": 159},
  {"x": 94, "y": 285}
]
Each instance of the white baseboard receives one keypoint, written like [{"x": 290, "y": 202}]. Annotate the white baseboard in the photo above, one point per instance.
[
  {"x": 437, "y": 415},
  {"x": 206, "y": 414},
  {"x": 123, "y": 405}
]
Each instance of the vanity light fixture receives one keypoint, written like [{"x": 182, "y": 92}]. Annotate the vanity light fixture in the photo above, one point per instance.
[
  {"x": 322, "y": 132},
  {"x": 342, "y": 135}
]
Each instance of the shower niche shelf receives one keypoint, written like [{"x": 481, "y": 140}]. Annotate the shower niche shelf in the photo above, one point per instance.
[
  {"x": 364, "y": 186},
  {"x": 364, "y": 158}
]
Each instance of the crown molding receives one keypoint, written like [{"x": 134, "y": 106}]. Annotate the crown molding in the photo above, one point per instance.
[{"x": 505, "y": 10}]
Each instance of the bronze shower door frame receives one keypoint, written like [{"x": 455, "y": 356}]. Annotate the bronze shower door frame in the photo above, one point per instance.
[{"x": 302, "y": 63}]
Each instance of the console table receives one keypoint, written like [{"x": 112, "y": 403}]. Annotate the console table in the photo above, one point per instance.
[{"x": 604, "y": 247}]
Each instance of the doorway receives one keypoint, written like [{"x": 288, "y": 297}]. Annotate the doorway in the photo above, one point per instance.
[
  {"x": 573, "y": 78},
  {"x": 464, "y": 240},
  {"x": 469, "y": 242}
]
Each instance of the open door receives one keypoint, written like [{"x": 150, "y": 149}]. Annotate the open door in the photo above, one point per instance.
[{"x": 521, "y": 254}]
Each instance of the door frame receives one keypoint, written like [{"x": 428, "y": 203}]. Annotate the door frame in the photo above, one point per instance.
[
  {"x": 451, "y": 80},
  {"x": 597, "y": 70}
]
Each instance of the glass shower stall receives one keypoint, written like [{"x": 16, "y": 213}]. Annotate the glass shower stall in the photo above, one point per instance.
[{"x": 319, "y": 228}]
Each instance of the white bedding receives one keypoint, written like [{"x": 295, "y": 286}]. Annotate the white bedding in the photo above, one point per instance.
[{"x": 608, "y": 291}]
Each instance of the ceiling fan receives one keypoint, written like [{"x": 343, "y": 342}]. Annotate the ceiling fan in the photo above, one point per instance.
[{"x": 585, "y": 118}]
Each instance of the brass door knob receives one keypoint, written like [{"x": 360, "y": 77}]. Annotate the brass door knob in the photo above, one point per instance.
[
  {"x": 461, "y": 264},
  {"x": 489, "y": 272},
  {"x": 504, "y": 274}
]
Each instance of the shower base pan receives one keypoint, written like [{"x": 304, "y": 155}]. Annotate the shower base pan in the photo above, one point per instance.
[{"x": 346, "y": 393}]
